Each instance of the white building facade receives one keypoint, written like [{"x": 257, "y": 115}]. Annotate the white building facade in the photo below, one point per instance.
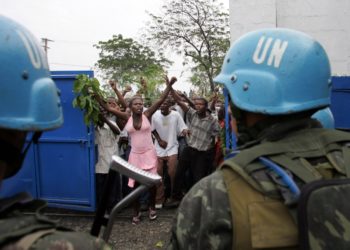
[{"x": 328, "y": 21}]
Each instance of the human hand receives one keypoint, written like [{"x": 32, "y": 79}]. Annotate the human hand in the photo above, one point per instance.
[
  {"x": 127, "y": 88},
  {"x": 162, "y": 144},
  {"x": 186, "y": 132},
  {"x": 113, "y": 83},
  {"x": 173, "y": 80},
  {"x": 123, "y": 140}
]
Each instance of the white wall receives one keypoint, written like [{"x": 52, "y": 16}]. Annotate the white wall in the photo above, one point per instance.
[{"x": 328, "y": 21}]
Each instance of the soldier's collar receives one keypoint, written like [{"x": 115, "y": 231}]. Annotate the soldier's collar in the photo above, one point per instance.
[{"x": 270, "y": 130}]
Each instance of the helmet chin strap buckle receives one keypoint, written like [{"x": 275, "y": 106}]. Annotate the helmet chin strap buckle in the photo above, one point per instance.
[{"x": 35, "y": 138}]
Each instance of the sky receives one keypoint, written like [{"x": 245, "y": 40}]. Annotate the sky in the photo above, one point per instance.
[{"x": 75, "y": 25}]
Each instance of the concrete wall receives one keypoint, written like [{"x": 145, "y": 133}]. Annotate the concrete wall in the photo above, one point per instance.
[{"x": 328, "y": 21}]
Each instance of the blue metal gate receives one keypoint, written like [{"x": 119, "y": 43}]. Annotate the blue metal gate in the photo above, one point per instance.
[
  {"x": 340, "y": 101},
  {"x": 60, "y": 168}
]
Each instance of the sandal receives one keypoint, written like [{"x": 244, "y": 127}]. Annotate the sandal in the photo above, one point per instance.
[
  {"x": 152, "y": 214},
  {"x": 136, "y": 219}
]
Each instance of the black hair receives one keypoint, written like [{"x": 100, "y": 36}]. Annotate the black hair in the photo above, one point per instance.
[
  {"x": 202, "y": 99},
  {"x": 135, "y": 97}
]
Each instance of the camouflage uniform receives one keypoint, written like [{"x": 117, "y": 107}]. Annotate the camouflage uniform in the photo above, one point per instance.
[
  {"x": 20, "y": 230},
  {"x": 205, "y": 219}
]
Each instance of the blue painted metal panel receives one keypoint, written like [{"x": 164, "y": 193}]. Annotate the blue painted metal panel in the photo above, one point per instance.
[
  {"x": 61, "y": 167},
  {"x": 68, "y": 179},
  {"x": 340, "y": 101},
  {"x": 73, "y": 126}
]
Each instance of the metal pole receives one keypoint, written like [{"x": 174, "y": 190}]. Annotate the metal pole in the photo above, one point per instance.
[{"x": 123, "y": 203}]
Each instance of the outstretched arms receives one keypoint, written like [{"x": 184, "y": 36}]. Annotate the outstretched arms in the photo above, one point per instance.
[
  {"x": 110, "y": 124},
  {"x": 113, "y": 110},
  {"x": 121, "y": 100},
  {"x": 179, "y": 101},
  {"x": 149, "y": 112}
]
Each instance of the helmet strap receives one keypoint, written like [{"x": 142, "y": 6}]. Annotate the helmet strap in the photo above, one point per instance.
[
  {"x": 12, "y": 156},
  {"x": 35, "y": 138}
]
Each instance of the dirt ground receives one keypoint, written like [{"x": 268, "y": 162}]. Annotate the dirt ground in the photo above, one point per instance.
[{"x": 148, "y": 235}]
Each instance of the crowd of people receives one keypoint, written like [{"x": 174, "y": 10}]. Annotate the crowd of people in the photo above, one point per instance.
[{"x": 174, "y": 137}]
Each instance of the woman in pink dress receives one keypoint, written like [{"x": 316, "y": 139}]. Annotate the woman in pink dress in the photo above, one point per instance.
[{"x": 143, "y": 153}]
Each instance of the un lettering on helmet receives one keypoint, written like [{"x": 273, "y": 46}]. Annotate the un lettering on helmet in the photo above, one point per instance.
[
  {"x": 35, "y": 54},
  {"x": 276, "y": 71},
  {"x": 276, "y": 53}
]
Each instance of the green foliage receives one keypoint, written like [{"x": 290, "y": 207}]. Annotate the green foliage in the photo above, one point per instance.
[
  {"x": 196, "y": 29},
  {"x": 126, "y": 60},
  {"x": 108, "y": 91},
  {"x": 83, "y": 87}
]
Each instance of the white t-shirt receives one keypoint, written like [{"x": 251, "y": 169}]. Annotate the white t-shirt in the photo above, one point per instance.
[
  {"x": 107, "y": 144},
  {"x": 168, "y": 127}
]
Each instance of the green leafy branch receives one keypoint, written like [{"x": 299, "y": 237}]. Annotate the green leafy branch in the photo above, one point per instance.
[{"x": 85, "y": 89}]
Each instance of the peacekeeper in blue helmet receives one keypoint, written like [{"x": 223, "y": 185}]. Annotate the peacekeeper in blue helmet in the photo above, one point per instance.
[
  {"x": 277, "y": 79},
  {"x": 29, "y": 105}
]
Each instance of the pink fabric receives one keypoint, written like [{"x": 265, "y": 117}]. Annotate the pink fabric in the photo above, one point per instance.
[{"x": 143, "y": 153}]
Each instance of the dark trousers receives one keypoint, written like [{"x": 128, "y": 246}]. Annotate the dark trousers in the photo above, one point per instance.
[
  {"x": 194, "y": 163},
  {"x": 115, "y": 193},
  {"x": 182, "y": 144},
  {"x": 125, "y": 188}
]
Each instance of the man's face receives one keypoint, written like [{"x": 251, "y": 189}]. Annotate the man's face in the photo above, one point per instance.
[
  {"x": 200, "y": 106},
  {"x": 165, "y": 108},
  {"x": 12, "y": 140}
]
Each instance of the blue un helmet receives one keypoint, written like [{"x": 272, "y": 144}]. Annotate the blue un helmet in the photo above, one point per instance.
[
  {"x": 29, "y": 98},
  {"x": 325, "y": 117},
  {"x": 277, "y": 71}
]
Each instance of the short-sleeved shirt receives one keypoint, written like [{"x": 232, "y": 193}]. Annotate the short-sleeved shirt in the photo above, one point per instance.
[
  {"x": 168, "y": 128},
  {"x": 202, "y": 130},
  {"x": 107, "y": 144}
]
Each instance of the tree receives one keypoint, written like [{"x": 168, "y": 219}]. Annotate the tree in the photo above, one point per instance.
[
  {"x": 84, "y": 87},
  {"x": 127, "y": 61},
  {"x": 196, "y": 29}
]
